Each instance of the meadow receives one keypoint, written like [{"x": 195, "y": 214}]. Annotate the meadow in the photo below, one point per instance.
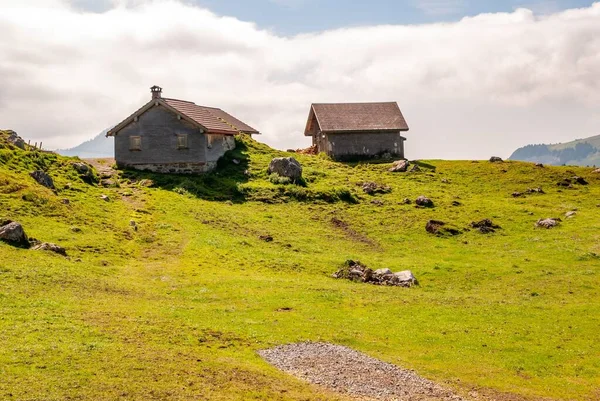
[{"x": 175, "y": 307}]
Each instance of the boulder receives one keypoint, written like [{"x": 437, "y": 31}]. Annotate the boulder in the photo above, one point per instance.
[
  {"x": 424, "y": 201},
  {"x": 547, "y": 223},
  {"x": 286, "y": 167},
  {"x": 540, "y": 165},
  {"x": 43, "y": 178},
  {"x": 400, "y": 166},
  {"x": 496, "y": 159},
  {"x": 13, "y": 233},
  {"x": 597, "y": 171},
  {"x": 406, "y": 278},
  {"x": 46, "y": 246},
  {"x": 580, "y": 180},
  {"x": 16, "y": 140}
]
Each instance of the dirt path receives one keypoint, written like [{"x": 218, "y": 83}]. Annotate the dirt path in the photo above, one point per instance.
[
  {"x": 103, "y": 166},
  {"x": 346, "y": 371}
]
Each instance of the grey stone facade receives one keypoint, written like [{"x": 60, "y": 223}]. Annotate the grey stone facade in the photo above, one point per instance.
[{"x": 159, "y": 140}]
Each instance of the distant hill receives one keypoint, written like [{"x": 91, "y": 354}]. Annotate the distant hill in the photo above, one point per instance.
[
  {"x": 581, "y": 152},
  {"x": 98, "y": 147}
]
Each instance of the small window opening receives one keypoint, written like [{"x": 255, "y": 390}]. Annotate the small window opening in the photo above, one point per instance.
[
  {"x": 135, "y": 143},
  {"x": 182, "y": 141}
]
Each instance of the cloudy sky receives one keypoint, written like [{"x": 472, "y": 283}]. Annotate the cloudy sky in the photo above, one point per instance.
[{"x": 473, "y": 78}]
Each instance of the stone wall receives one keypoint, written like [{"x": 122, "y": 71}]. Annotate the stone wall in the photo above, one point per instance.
[{"x": 174, "y": 168}]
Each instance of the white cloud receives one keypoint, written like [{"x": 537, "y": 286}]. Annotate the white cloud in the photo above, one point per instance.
[{"x": 468, "y": 89}]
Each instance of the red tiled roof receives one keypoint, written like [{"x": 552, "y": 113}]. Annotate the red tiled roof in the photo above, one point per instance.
[
  {"x": 349, "y": 117},
  {"x": 213, "y": 119}
]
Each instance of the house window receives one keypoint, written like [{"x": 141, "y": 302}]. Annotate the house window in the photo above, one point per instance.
[
  {"x": 182, "y": 141},
  {"x": 135, "y": 143}
]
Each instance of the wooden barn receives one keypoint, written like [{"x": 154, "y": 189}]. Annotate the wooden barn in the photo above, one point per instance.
[
  {"x": 354, "y": 131},
  {"x": 175, "y": 136}
]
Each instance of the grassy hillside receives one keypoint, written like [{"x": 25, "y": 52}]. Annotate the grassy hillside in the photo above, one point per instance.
[
  {"x": 581, "y": 152},
  {"x": 177, "y": 308}
]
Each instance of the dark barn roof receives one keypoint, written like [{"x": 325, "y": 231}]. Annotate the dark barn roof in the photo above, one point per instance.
[{"x": 357, "y": 117}]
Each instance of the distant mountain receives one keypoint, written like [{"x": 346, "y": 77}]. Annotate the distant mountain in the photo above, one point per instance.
[
  {"x": 98, "y": 147},
  {"x": 581, "y": 152}
]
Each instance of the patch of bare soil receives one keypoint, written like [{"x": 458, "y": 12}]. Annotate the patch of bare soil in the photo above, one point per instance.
[
  {"x": 346, "y": 371},
  {"x": 350, "y": 232}
]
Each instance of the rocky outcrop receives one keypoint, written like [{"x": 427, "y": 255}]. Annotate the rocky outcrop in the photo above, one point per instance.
[
  {"x": 440, "y": 228},
  {"x": 43, "y": 178},
  {"x": 356, "y": 271},
  {"x": 15, "y": 140},
  {"x": 424, "y": 201},
  {"x": 46, "y": 246},
  {"x": 496, "y": 159},
  {"x": 86, "y": 172},
  {"x": 13, "y": 233},
  {"x": 485, "y": 226},
  {"x": 373, "y": 188},
  {"x": 547, "y": 223}
]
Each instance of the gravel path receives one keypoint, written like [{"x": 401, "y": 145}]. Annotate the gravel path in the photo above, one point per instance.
[{"x": 347, "y": 371}]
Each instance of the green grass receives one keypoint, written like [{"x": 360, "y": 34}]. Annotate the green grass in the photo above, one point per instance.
[{"x": 177, "y": 309}]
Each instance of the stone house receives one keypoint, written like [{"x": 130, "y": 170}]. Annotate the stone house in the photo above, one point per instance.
[
  {"x": 353, "y": 131},
  {"x": 175, "y": 136}
]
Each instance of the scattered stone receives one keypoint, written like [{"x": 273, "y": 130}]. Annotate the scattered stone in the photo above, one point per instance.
[
  {"x": 266, "y": 238},
  {"x": 352, "y": 373},
  {"x": 107, "y": 183},
  {"x": 485, "y": 226},
  {"x": 496, "y": 159},
  {"x": 76, "y": 229},
  {"x": 547, "y": 223},
  {"x": 46, "y": 246},
  {"x": 440, "y": 228},
  {"x": 43, "y": 178},
  {"x": 565, "y": 183},
  {"x": 415, "y": 169},
  {"x": 456, "y": 203},
  {"x": 580, "y": 180},
  {"x": 597, "y": 171},
  {"x": 236, "y": 162},
  {"x": 406, "y": 201},
  {"x": 377, "y": 202},
  {"x": 570, "y": 214},
  {"x": 400, "y": 166},
  {"x": 445, "y": 181},
  {"x": 65, "y": 201},
  {"x": 517, "y": 194},
  {"x": 105, "y": 198},
  {"x": 540, "y": 165},
  {"x": 356, "y": 271},
  {"x": 537, "y": 190},
  {"x": 424, "y": 201},
  {"x": 286, "y": 167},
  {"x": 133, "y": 224},
  {"x": 16, "y": 140},
  {"x": 372, "y": 188},
  {"x": 13, "y": 233}
]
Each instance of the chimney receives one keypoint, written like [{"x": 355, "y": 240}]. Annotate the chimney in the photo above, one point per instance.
[{"x": 156, "y": 92}]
